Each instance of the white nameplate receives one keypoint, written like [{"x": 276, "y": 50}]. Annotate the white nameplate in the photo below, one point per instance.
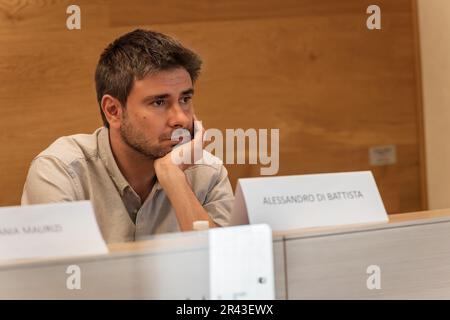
[
  {"x": 241, "y": 263},
  {"x": 304, "y": 201},
  {"x": 49, "y": 230}
]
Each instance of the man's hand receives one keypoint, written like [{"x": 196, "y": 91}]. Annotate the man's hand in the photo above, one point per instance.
[
  {"x": 170, "y": 173},
  {"x": 188, "y": 151}
]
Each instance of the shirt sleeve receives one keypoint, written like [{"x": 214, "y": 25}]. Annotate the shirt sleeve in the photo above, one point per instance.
[
  {"x": 219, "y": 200},
  {"x": 50, "y": 180}
]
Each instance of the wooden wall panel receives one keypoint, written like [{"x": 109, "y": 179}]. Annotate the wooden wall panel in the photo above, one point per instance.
[
  {"x": 310, "y": 68},
  {"x": 29, "y": 17}
]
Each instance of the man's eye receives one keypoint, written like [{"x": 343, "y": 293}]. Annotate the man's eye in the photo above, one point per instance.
[
  {"x": 158, "y": 103},
  {"x": 186, "y": 99}
]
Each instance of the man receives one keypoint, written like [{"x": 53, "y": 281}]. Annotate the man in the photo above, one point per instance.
[{"x": 144, "y": 82}]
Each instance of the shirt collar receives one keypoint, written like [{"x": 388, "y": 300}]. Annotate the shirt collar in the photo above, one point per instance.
[{"x": 107, "y": 157}]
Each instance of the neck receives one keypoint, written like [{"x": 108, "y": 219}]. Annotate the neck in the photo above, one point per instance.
[{"x": 137, "y": 169}]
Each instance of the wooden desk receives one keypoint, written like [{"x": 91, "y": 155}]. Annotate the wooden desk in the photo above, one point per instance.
[{"x": 412, "y": 250}]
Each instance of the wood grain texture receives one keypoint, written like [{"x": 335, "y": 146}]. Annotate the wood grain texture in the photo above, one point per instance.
[
  {"x": 311, "y": 69},
  {"x": 175, "y": 11},
  {"x": 139, "y": 270},
  {"x": 412, "y": 251},
  {"x": 413, "y": 260},
  {"x": 20, "y": 17},
  {"x": 420, "y": 108}
]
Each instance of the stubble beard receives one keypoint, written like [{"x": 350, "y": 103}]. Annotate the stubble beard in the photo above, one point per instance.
[{"x": 137, "y": 141}]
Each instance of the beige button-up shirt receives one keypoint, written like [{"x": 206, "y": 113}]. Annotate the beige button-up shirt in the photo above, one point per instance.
[{"x": 82, "y": 167}]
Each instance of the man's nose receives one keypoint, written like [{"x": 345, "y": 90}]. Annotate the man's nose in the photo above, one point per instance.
[{"x": 177, "y": 117}]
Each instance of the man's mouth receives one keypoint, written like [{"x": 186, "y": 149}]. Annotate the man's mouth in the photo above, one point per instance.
[{"x": 179, "y": 135}]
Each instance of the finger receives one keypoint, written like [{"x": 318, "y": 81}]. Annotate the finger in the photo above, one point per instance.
[{"x": 199, "y": 130}]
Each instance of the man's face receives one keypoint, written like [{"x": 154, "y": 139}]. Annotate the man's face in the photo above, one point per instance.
[{"x": 156, "y": 106}]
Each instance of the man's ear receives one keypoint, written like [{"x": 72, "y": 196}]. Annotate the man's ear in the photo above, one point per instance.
[{"x": 112, "y": 109}]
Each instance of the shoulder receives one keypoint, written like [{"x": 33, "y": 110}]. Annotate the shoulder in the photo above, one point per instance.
[{"x": 71, "y": 148}]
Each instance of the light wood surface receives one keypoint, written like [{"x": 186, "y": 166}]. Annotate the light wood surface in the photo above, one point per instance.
[
  {"x": 413, "y": 257},
  {"x": 310, "y": 68},
  {"x": 174, "y": 266},
  {"x": 394, "y": 220},
  {"x": 411, "y": 249}
]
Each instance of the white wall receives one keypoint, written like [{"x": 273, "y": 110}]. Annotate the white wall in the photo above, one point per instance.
[{"x": 434, "y": 28}]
